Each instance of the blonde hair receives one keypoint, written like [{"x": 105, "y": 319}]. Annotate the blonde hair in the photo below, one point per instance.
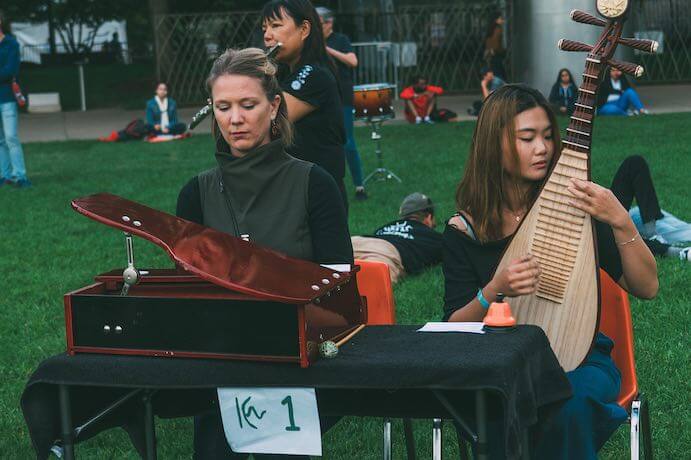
[{"x": 253, "y": 63}]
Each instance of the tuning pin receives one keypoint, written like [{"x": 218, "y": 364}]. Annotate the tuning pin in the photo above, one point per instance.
[
  {"x": 570, "y": 45},
  {"x": 585, "y": 18},
  {"x": 627, "y": 67},
  {"x": 649, "y": 46}
]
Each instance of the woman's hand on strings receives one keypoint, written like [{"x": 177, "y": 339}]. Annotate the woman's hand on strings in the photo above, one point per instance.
[
  {"x": 520, "y": 277},
  {"x": 599, "y": 202}
]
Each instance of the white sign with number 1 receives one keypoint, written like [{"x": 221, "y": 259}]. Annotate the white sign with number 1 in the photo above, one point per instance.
[{"x": 271, "y": 420}]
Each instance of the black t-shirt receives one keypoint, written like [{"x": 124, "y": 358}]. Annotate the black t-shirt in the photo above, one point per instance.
[
  {"x": 320, "y": 135},
  {"x": 419, "y": 245},
  {"x": 330, "y": 237},
  {"x": 341, "y": 43},
  {"x": 469, "y": 265}
]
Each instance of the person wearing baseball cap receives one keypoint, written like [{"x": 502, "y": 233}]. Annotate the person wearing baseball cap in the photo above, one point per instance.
[{"x": 407, "y": 245}]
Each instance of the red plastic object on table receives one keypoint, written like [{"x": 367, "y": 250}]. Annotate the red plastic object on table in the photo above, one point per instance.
[{"x": 499, "y": 314}]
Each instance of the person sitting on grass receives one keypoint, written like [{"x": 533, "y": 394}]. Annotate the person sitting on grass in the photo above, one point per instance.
[
  {"x": 162, "y": 113},
  {"x": 489, "y": 83},
  {"x": 633, "y": 180},
  {"x": 407, "y": 245},
  {"x": 615, "y": 96},
  {"x": 564, "y": 93},
  {"x": 420, "y": 100},
  {"x": 161, "y": 122}
]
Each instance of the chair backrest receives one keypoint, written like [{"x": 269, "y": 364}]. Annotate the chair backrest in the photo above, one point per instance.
[
  {"x": 374, "y": 283},
  {"x": 615, "y": 322}
]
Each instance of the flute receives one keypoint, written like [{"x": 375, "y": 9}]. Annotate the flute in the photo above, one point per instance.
[{"x": 206, "y": 110}]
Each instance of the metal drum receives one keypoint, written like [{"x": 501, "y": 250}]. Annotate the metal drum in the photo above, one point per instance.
[{"x": 373, "y": 102}]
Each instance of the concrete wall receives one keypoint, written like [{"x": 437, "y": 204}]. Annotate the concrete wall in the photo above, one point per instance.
[{"x": 537, "y": 27}]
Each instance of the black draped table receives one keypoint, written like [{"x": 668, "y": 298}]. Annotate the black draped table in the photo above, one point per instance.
[{"x": 390, "y": 371}]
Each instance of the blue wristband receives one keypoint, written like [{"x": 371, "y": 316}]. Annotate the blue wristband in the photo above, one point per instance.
[{"x": 481, "y": 298}]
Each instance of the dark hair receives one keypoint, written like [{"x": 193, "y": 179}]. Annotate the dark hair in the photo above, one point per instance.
[
  {"x": 420, "y": 215},
  {"x": 417, "y": 77},
  {"x": 567, "y": 71},
  {"x": 253, "y": 62},
  {"x": 5, "y": 25},
  {"x": 314, "y": 49},
  {"x": 485, "y": 69},
  {"x": 482, "y": 191}
]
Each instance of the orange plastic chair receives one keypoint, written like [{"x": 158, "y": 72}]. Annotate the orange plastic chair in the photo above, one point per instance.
[
  {"x": 374, "y": 283},
  {"x": 615, "y": 322}
]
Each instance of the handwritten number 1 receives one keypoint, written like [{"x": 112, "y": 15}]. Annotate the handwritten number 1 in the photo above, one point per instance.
[{"x": 288, "y": 401}]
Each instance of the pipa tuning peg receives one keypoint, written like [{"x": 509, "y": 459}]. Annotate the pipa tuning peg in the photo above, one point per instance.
[
  {"x": 570, "y": 45},
  {"x": 585, "y": 18},
  {"x": 649, "y": 46},
  {"x": 627, "y": 67}
]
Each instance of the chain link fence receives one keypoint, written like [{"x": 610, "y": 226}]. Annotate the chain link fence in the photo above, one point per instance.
[
  {"x": 187, "y": 44},
  {"x": 668, "y": 22},
  {"x": 444, "y": 43}
]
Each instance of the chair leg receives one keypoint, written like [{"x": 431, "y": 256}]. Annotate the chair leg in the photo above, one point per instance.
[
  {"x": 635, "y": 429},
  {"x": 409, "y": 438},
  {"x": 646, "y": 433},
  {"x": 387, "y": 439},
  {"x": 436, "y": 439},
  {"x": 462, "y": 448}
]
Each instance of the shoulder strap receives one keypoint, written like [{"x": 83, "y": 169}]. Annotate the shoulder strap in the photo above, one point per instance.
[{"x": 469, "y": 228}]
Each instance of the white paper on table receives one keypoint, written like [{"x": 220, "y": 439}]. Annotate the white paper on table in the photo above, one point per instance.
[
  {"x": 473, "y": 327},
  {"x": 337, "y": 267},
  {"x": 271, "y": 420}
]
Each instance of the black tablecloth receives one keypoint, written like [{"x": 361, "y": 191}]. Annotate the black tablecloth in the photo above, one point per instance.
[{"x": 518, "y": 367}]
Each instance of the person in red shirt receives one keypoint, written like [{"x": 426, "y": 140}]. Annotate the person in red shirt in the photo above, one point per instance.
[{"x": 420, "y": 100}]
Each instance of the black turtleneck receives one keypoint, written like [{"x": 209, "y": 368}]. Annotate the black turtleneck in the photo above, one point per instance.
[{"x": 326, "y": 216}]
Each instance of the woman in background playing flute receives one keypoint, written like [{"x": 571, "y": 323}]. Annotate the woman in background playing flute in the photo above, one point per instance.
[{"x": 308, "y": 79}]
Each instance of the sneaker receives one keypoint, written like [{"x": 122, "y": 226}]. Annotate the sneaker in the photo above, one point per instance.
[
  {"x": 360, "y": 194},
  {"x": 418, "y": 120},
  {"x": 644, "y": 111},
  {"x": 685, "y": 254},
  {"x": 428, "y": 121},
  {"x": 23, "y": 183},
  {"x": 657, "y": 245}
]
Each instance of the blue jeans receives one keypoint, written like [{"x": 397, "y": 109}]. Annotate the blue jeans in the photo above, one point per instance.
[
  {"x": 583, "y": 423},
  {"x": 352, "y": 155},
  {"x": 621, "y": 105},
  {"x": 11, "y": 154}
]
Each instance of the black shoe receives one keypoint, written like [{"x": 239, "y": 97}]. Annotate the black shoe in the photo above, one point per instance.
[
  {"x": 360, "y": 194},
  {"x": 656, "y": 245}
]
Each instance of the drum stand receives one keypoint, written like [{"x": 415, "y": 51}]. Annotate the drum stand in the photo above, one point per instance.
[{"x": 381, "y": 173}]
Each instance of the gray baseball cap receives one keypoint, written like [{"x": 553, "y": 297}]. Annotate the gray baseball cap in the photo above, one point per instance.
[{"x": 415, "y": 202}]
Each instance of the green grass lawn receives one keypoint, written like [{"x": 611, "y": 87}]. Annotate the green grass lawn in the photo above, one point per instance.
[{"x": 46, "y": 249}]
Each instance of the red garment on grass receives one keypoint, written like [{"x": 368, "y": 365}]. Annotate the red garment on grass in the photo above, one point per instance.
[{"x": 421, "y": 102}]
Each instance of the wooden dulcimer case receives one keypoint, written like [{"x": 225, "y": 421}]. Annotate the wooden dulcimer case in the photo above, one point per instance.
[
  {"x": 562, "y": 238},
  {"x": 227, "y": 298}
]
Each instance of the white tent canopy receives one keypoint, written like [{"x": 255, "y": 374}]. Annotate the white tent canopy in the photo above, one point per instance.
[{"x": 33, "y": 38}]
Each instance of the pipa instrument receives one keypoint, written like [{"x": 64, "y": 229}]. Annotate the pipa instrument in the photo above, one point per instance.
[{"x": 566, "y": 302}]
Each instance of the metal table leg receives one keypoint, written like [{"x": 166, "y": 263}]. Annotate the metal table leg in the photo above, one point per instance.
[
  {"x": 436, "y": 439},
  {"x": 481, "y": 419},
  {"x": 66, "y": 422},
  {"x": 387, "y": 439},
  {"x": 149, "y": 426}
]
